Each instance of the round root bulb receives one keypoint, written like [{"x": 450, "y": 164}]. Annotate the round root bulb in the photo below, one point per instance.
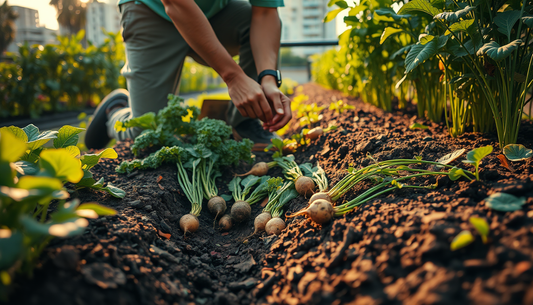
[
  {"x": 189, "y": 223},
  {"x": 259, "y": 169},
  {"x": 305, "y": 186},
  {"x": 225, "y": 223},
  {"x": 217, "y": 206},
  {"x": 314, "y": 133},
  {"x": 275, "y": 226},
  {"x": 261, "y": 221},
  {"x": 240, "y": 211},
  {"x": 320, "y": 211},
  {"x": 320, "y": 195}
]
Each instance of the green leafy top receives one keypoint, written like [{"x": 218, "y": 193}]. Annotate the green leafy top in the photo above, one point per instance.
[
  {"x": 517, "y": 152},
  {"x": 504, "y": 202},
  {"x": 475, "y": 156}
]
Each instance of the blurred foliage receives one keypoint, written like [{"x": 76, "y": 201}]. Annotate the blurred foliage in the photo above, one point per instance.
[
  {"x": 289, "y": 59},
  {"x": 196, "y": 77}
]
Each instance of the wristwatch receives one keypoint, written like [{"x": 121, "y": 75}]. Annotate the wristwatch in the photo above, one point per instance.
[{"x": 274, "y": 73}]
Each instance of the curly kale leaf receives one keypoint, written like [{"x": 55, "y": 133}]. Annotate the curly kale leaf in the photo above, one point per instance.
[
  {"x": 155, "y": 160},
  {"x": 231, "y": 152},
  {"x": 171, "y": 118},
  {"x": 211, "y": 132}
]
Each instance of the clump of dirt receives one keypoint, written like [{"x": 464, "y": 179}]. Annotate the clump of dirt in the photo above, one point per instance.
[{"x": 392, "y": 250}]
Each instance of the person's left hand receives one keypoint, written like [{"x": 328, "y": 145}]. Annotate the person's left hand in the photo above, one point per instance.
[{"x": 281, "y": 105}]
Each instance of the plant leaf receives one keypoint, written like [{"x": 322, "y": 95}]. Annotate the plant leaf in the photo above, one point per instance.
[
  {"x": 389, "y": 31},
  {"x": 481, "y": 226},
  {"x": 462, "y": 240},
  {"x": 425, "y": 39},
  {"x": 456, "y": 173},
  {"x": 65, "y": 229},
  {"x": 449, "y": 158},
  {"x": 497, "y": 52},
  {"x": 517, "y": 152},
  {"x": 453, "y": 17},
  {"x": 11, "y": 147},
  {"x": 389, "y": 12},
  {"x": 461, "y": 26},
  {"x": 226, "y": 197},
  {"x": 418, "y": 126},
  {"x": 114, "y": 191},
  {"x": 61, "y": 164},
  {"x": 67, "y": 136},
  {"x": 415, "y": 6},
  {"x": 99, "y": 209},
  {"x": 17, "y": 132},
  {"x": 90, "y": 160},
  {"x": 422, "y": 52},
  {"x": 26, "y": 168},
  {"x": 504, "y": 163},
  {"x": 73, "y": 151},
  {"x": 332, "y": 14},
  {"x": 528, "y": 20},
  {"x": 474, "y": 156},
  {"x": 11, "y": 245},
  {"x": 504, "y": 202},
  {"x": 506, "y": 21},
  {"x": 37, "y": 139}
]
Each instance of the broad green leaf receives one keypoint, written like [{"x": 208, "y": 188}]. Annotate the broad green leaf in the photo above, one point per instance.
[
  {"x": 61, "y": 164},
  {"x": 453, "y": 17},
  {"x": 67, "y": 136},
  {"x": 462, "y": 240},
  {"x": 11, "y": 147},
  {"x": 17, "y": 132},
  {"x": 426, "y": 38},
  {"x": 474, "y": 156},
  {"x": 415, "y": 6},
  {"x": 517, "y": 152},
  {"x": 90, "y": 160},
  {"x": 449, "y": 158},
  {"x": 497, "y": 52},
  {"x": 39, "y": 182},
  {"x": 456, "y": 173},
  {"x": 226, "y": 197},
  {"x": 389, "y": 12},
  {"x": 504, "y": 202},
  {"x": 145, "y": 121},
  {"x": 422, "y": 52},
  {"x": 73, "y": 151},
  {"x": 99, "y": 209},
  {"x": 401, "y": 51},
  {"x": 481, "y": 226},
  {"x": 388, "y": 32},
  {"x": 506, "y": 21},
  {"x": 114, "y": 191},
  {"x": 528, "y": 20},
  {"x": 461, "y": 26},
  {"x": 417, "y": 126},
  {"x": 342, "y": 4},
  {"x": 66, "y": 229},
  {"x": 37, "y": 139},
  {"x": 332, "y": 14},
  {"x": 11, "y": 245},
  {"x": 87, "y": 180},
  {"x": 26, "y": 168}
]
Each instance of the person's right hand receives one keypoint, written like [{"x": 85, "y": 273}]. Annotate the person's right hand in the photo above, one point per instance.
[{"x": 247, "y": 95}]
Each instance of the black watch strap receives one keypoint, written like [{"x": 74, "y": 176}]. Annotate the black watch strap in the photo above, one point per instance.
[{"x": 274, "y": 73}]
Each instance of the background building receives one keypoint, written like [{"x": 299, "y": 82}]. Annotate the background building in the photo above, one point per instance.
[
  {"x": 302, "y": 21},
  {"x": 101, "y": 16},
  {"x": 28, "y": 29}
]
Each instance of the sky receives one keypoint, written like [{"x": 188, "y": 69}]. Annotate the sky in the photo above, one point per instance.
[{"x": 47, "y": 13}]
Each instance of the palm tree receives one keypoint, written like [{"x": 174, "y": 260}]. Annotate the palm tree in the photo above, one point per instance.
[
  {"x": 71, "y": 14},
  {"x": 7, "y": 26}
]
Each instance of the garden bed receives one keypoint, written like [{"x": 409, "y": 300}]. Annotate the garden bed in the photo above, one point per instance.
[{"x": 395, "y": 249}]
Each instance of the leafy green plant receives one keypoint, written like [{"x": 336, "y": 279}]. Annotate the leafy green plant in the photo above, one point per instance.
[
  {"x": 309, "y": 115},
  {"x": 26, "y": 227},
  {"x": 481, "y": 225},
  {"x": 465, "y": 237},
  {"x": 504, "y": 202},
  {"x": 517, "y": 152},
  {"x": 475, "y": 156},
  {"x": 462, "y": 240},
  {"x": 241, "y": 210},
  {"x": 340, "y": 106}
]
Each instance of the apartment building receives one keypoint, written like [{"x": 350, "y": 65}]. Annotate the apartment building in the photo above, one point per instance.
[
  {"x": 101, "y": 17},
  {"x": 302, "y": 21},
  {"x": 29, "y": 31}
]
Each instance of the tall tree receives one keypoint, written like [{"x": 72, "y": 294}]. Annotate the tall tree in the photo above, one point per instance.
[
  {"x": 71, "y": 14},
  {"x": 7, "y": 26}
]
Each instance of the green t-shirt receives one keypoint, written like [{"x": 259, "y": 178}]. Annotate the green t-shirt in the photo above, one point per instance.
[{"x": 209, "y": 7}]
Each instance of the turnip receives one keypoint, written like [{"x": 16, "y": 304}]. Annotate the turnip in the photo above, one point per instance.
[
  {"x": 275, "y": 226},
  {"x": 260, "y": 221},
  {"x": 189, "y": 223},
  {"x": 208, "y": 175},
  {"x": 225, "y": 223},
  {"x": 320, "y": 211},
  {"x": 259, "y": 169},
  {"x": 304, "y": 185},
  {"x": 320, "y": 195},
  {"x": 241, "y": 209}
]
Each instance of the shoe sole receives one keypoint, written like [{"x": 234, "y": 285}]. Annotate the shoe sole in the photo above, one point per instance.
[{"x": 257, "y": 146}]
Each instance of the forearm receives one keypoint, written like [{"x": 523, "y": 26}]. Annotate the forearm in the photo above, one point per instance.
[
  {"x": 198, "y": 33},
  {"x": 265, "y": 35}
]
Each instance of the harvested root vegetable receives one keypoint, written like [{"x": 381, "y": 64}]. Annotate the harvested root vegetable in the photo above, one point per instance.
[
  {"x": 189, "y": 223},
  {"x": 275, "y": 226},
  {"x": 316, "y": 132},
  {"x": 259, "y": 169},
  {"x": 320, "y": 211},
  {"x": 320, "y": 195},
  {"x": 305, "y": 186},
  {"x": 241, "y": 211},
  {"x": 225, "y": 223},
  {"x": 260, "y": 221},
  {"x": 217, "y": 206}
]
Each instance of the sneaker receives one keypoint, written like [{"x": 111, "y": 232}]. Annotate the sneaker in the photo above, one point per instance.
[
  {"x": 253, "y": 130},
  {"x": 96, "y": 136}
]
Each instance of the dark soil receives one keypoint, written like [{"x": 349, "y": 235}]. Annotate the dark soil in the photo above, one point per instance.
[{"x": 392, "y": 250}]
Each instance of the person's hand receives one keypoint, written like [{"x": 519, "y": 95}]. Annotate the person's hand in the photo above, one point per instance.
[
  {"x": 247, "y": 95},
  {"x": 279, "y": 102}
]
